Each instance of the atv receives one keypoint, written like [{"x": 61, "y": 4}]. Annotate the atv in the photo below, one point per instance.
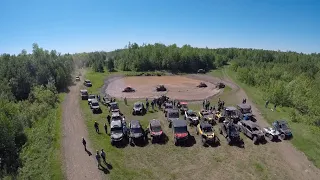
[
  {"x": 231, "y": 132},
  {"x": 128, "y": 89},
  {"x": 202, "y": 85},
  {"x": 161, "y": 88}
]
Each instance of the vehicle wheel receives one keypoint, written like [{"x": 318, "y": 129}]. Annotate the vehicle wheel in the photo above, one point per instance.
[
  {"x": 220, "y": 130},
  {"x": 133, "y": 113},
  {"x": 131, "y": 141},
  {"x": 203, "y": 140},
  {"x": 282, "y": 136},
  {"x": 255, "y": 140},
  {"x": 270, "y": 137},
  {"x": 175, "y": 142},
  {"x": 170, "y": 124},
  {"x": 197, "y": 132},
  {"x": 185, "y": 118},
  {"x": 112, "y": 143},
  {"x": 141, "y": 111}
]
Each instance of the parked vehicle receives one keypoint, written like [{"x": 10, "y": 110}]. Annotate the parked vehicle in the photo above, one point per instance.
[
  {"x": 202, "y": 85},
  {"x": 87, "y": 83},
  {"x": 206, "y": 116},
  {"x": 201, "y": 71},
  {"x": 207, "y": 133},
  {"x": 155, "y": 130},
  {"x": 128, "y": 89},
  {"x": 161, "y": 88},
  {"x": 84, "y": 94},
  {"x": 167, "y": 106},
  {"x": 114, "y": 106},
  {"x": 191, "y": 117},
  {"x": 252, "y": 130},
  {"x": 138, "y": 108},
  {"x": 232, "y": 113},
  {"x": 77, "y": 78},
  {"x": 231, "y": 132},
  {"x": 91, "y": 97},
  {"x": 172, "y": 114},
  {"x": 94, "y": 105},
  {"x": 180, "y": 132},
  {"x": 272, "y": 134},
  {"x": 136, "y": 133},
  {"x": 183, "y": 106},
  {"x": 245, "y": 110},
  {"x": 116, "y": 131},
  {"x": 106, "y": 101},
  {"x": 283, "y": 128}
]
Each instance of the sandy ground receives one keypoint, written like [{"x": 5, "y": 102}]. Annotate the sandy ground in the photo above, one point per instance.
[
  {"x": 78, "y": 164},
  {"x": 178, "y": 87}
]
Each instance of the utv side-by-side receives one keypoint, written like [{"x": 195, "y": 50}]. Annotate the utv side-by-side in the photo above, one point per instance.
[
  {"x": 136, "y": 133},
  {"x": 180, "y": 132},
  {"x": 252, "y": 130},
  {"x": 155, "y": 131},
  {"x": 245, "y": 110},
  {"x": 117, "y": 133},
  {"x": 172, "y": 114},
  {"x": 95, "y": 107},
  {"x": 207, "y": 133},
  {"x": 167, "y": 107},
  {"x": 87, "y": 83},
  {"x": 191, "y": 117},
  {"x": 138, "y": 108},
  {"x": 206, "y": 115},
  {"x": 283, "y": 128},
  {"x": 84, "y": 94},
  {"x": 231, "y": 132},
  {"x": 183, "y": 107}
]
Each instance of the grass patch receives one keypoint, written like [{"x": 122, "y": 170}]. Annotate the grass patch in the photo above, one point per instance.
[
  {"x": 41, "y": 156},
  {"x": 304, "y": 135}
]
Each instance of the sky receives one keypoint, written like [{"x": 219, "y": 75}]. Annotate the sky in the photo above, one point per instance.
[{"x": 71, "y": 26}]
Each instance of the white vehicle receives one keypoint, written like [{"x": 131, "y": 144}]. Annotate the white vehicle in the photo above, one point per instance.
[
  {"x": 271, "y": 133},
  {"x": 91, "y": 97},
  {"x": 192, "y": 117}
]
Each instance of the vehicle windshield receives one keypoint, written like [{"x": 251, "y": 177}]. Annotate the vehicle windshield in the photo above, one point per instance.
[
  {"x": 192, "y": 115},
  {"x": 207, "y": 129},
  {"x": 92, "y": 97},
  {"x": 95, "y": 104},
  {"x": 116, "y": 130},
  {"x": 116, "y": 118},
  {"x": 136, "y": 130},
  {"x": 169, "y": 106},
  {"x": 283, "y": 126},
  {"x": 174, "y": 115},
  {"x": 180, "y": 129},
  {"x": 114, "y": 106},
  {"x": 88, "y": 81},
  {"x": 156, "y": 129},
  {"x": 205, "y": 113},
  {"x": 231, "y": 113},
  {"x": 255, "y": 129},
  {"x": 137, "y": 105},
  {"x": 84, "y": 93},
  {"x": 184, "y": 105},
  {"x": 247, "y": 110}
]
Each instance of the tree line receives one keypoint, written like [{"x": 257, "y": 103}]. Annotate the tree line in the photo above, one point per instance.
[
  {"x": 286, "y": 78},
  {"x": 28, "y": 93}
]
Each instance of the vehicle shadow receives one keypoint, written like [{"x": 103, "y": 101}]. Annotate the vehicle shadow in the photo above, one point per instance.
[
  {"x": 190, "y": 142},
  {"x": 164, "y": 140},
  {"x": 124, "y": 143}
]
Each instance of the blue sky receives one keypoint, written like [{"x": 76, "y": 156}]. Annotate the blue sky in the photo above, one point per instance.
[{"x": 90, "y": 25}]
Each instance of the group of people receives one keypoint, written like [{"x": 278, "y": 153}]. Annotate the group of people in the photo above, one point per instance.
[{"x": 99, "y": 155}]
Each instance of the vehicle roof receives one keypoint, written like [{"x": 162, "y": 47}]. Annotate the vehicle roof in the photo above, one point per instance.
[
  {"x": 244, "y": 106},
  {"x": 83, "y": 90},
  {"x": 116, "y": 123},
  {"x": 135, "y": 124},
  {"x": 113, "y": 103},
  {"x": 94, "y": 101},
  {"x": 136, "y": 103},
  {"x": 205, "y": 124},
  {"x": 190, "y": 111},
  {"x": 155, "y": 123},
  {"x": 179, "y": 123},
  {"x": 282, "y": 121},
  {"x": 116, "y": 113},
  {"x": 231, "y": 108},
  {"x": 183, "y": 103},
  {"x": 87, "y": 80},
  {"x": 173, "y": 110},
  {"x": 250, "y": 123}
]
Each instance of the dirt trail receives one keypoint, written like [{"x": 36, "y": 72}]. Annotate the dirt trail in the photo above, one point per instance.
[
  {"x": 77, "y": 164},
  {"x": 298, "y": 166}
]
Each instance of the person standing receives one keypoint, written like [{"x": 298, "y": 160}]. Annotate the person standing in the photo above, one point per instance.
[
  {"x": 125, "y": 101},
  {"x": 103, "y": 155},
  {"x": 109, "y": 118},
  {"x": 98, "y": 158},
  {"x": 267, "y": 103},
  {"x": 84, "y": 142},
  {"x": 105, "y": 128},
  {"x": 152, "y": 105},
  {"x": 96, "y": 126},
  {"x": 147, "y": 105}
]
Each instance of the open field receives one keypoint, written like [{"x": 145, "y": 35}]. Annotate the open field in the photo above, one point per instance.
[{"x": 268, "y": 161}]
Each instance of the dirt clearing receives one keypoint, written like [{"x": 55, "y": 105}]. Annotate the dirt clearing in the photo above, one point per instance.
[{"x": 178, "y": 87}]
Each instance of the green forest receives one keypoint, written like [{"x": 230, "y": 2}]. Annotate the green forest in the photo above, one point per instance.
[
  {"x": 287, "y": 79},
  {"x": 30, "y": 86}
]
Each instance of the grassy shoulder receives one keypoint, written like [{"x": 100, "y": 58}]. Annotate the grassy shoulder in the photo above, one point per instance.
[
  {"x": 304, "y": 135},
  {"x": 41, "y": 156}
]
